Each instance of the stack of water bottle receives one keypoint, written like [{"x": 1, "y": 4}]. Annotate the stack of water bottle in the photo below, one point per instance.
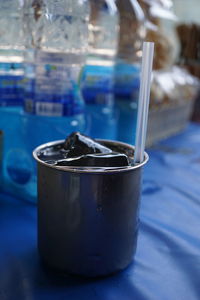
[{"x": 65, "y": 65}]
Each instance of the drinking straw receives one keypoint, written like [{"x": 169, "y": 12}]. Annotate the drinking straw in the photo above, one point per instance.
[
  {"x": 143, "y": 104},
  {"x": 111, "y": 6}
]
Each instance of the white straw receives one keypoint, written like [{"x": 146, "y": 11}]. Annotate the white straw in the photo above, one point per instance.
[{"x": 143, "y": 103}]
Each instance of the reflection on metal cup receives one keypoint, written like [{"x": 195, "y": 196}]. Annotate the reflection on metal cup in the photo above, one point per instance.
[{"x": 88, "y": 218}]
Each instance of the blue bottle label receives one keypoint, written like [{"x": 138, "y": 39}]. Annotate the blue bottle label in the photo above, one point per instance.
[
  {"x": 127, "y": 81},
  {"x": 97, "y": 84},
  {"x": 11, "y": 88},
  {"x": 52, "y": 85},
  {"x": 101, "y": 83}
]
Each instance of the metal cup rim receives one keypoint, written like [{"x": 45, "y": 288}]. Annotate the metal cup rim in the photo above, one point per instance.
[{"x": 92, "y": 170}]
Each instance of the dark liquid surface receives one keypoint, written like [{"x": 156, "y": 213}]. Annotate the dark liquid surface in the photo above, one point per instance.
[{"x": 81, "y": 151}]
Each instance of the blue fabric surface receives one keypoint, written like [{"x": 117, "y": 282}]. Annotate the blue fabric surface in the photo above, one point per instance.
[{"x": 167, "y": 261}]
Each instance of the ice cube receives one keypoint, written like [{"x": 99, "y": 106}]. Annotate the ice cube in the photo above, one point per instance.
[
  {"x": 78, "y": 144},
  {"x": 96, "y": 160}
]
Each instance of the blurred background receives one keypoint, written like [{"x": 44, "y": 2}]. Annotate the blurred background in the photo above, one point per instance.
[{"x": 75, "y": 66}]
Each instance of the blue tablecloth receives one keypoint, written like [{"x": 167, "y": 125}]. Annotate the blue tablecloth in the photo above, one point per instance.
[{"x": 167, "y": 261}]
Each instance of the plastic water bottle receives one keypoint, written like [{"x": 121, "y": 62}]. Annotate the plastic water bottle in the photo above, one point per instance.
[
  {"x": 11, "y": 55},
  {"x": 97, "y": 77},
  {"x": 11, "y": 87},
  {"x": 127, "y": 68},
  {"x": 56, "y": 40}
]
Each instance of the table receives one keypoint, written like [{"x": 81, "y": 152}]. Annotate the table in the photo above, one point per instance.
[{"x": 167, "y": 261}]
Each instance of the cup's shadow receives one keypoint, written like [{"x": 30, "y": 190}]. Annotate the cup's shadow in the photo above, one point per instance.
[{"x": 119, "y": 285}]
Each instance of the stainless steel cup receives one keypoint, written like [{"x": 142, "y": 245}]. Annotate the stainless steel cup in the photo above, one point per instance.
[{"x": 88, "y": 218}]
